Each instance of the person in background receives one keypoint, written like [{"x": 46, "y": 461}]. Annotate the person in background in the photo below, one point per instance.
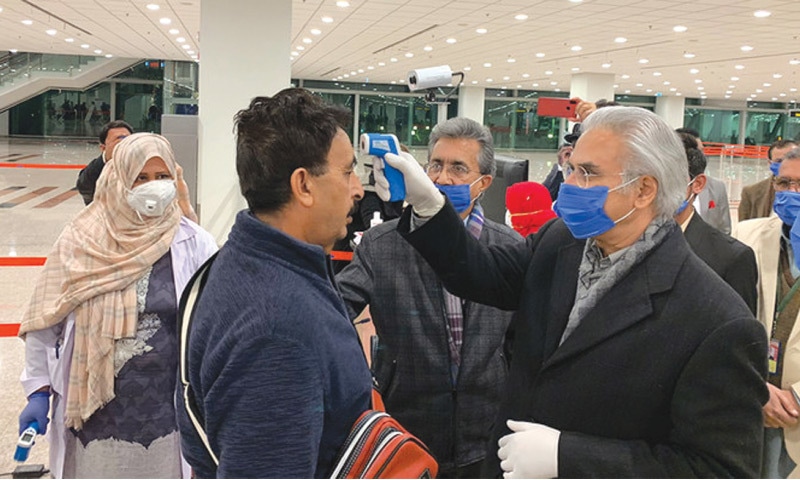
[
  {"x": 100, "y": 331},
  {"x": 110, "y": 135},
  {"x": 440, "y": 361},
  {"x": 275, "y": 365},
  {"x": 758, "y": 198},
  {"x": 632, "y": 358},
  {"x": 775, "y": 239},
  {"x": 712, "y": 202},
  {"x": 732, "y": 260},
  {"x": 555, "y": 178},
  {"x": 529, "y": 207}
]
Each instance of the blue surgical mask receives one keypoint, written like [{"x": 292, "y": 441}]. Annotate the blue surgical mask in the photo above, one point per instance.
[
  {"x": 774, "y": 167},
  {"x": 685, "y": 203},
  {"x": 459, "y": 195},
  {"x": 582, "y": 209},
  {"x": 787, "y": 206}
]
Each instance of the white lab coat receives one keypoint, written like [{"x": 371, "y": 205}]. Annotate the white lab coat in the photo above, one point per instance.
[{"x": 48, "y": 353}]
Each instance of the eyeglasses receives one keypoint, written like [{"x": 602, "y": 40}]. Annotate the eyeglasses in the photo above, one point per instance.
[
  {"x": 455, "y": 170},
  {"x": 582, "y": 177},
  {"x": 783, "y": 184}
]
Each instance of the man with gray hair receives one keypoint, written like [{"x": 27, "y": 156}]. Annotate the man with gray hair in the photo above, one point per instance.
[
  {"x": 632, "y": 358},
  {"x": 439, "y": 361}
]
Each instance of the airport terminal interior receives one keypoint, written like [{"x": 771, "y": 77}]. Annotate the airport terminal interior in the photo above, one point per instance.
[{"x": 730, "y": 73}]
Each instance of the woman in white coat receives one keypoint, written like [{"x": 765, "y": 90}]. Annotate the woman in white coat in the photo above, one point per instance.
[{"x": 100, "y": 330}]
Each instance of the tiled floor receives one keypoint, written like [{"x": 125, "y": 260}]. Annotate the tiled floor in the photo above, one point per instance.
[{"x": 35, "y": 204}]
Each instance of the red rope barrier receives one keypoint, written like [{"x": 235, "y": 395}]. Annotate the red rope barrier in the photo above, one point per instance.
[
  {"x": 22, "y": 261},
  {"x": 51, "y": 166},
  {"x": 9, "y": 329}
]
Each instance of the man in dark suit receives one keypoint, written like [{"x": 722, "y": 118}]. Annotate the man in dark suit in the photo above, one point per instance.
[
  {"x": 731, "y": 259},
  {"x": 555, "y": 178},
  {"x": 632, "y": 358},
  {"x": 757, "y": 199},
  {"x": 440, "y": 362},
  {"x": 111, "y": 134}
]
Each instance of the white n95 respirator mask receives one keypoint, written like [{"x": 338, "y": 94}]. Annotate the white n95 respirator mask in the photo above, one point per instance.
[{"x": 151, "y": 199}]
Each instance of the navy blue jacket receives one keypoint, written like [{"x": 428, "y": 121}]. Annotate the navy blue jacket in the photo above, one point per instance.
[{"x": 274, "y": 362}]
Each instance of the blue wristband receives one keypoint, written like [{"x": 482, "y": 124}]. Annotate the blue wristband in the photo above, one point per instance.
[{"x": 38, "y": 394}]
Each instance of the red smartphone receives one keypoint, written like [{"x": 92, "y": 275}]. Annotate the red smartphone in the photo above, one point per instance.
[{"x": 556, "y": 107}]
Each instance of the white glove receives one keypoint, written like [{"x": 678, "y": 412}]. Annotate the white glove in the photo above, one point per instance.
[
  {"x": 426, "y": 199},
  {"x": 530, "y": 452}
]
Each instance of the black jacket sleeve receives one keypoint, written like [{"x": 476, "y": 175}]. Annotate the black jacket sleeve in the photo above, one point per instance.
[{"x": 87, "y": 179}]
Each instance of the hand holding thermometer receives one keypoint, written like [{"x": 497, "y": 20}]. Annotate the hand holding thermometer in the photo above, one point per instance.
[
  {"x": 26, "y": 441},
  {"x": 378, "y": 145}
]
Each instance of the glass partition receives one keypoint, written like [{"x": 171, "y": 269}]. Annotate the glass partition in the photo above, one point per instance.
[
  {"x": 408, "y": 117},
  {"x": 713, "y": 125},
  {"x": 763, "y": 128}
]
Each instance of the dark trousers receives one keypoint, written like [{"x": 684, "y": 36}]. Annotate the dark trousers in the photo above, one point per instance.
[{"x": 473, "y": 470}]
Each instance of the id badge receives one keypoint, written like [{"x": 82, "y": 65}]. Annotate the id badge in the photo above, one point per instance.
[{"x": 774, "y": 352}]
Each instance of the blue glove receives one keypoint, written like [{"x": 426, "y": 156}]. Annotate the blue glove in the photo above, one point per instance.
[{"x": 37, "y": 409}]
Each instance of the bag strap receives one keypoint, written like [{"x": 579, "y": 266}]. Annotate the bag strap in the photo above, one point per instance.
[{"x": 186, "y": 309}]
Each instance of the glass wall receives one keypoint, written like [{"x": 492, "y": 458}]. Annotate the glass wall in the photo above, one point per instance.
[
  {"x": 63, "y": 113},
  {"x": 408, "y": 117},
  {"x": 713, "y": 125},
  {"x": 181, "y": 88},
  {"x": 763, "y": 128},
  {"x": 511, "y": 117}
]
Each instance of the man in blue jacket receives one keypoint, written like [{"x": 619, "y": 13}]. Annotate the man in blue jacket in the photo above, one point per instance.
[{"x": 274, "y": 363}]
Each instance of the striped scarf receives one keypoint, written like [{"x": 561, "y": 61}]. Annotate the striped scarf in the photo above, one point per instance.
[{"x": 454, "y": 305}]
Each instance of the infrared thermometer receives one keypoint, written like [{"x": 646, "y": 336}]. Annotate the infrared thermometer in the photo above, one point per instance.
[
  {"x": 26, "y": 441},
  {"x": 378, "y": 145}
]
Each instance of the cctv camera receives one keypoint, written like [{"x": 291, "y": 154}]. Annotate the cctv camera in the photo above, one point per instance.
[{"x": 432, "y": 77}]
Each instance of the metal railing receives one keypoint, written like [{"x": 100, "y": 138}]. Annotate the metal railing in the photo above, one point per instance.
[{"x": 21, "y": 66}]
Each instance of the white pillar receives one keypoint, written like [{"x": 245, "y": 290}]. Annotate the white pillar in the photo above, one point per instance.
[
  {"x": 441, "y": 112},
  {"x": 671, "y": 110},
  {"x": 4, "y": 124},
  {"x": 470, "y": 103},
  {"x": 592, "y": 86},
  {"x": 244, "y": 53}
]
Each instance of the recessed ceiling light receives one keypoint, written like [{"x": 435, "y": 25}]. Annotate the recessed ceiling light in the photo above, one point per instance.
[
  {"x": 152, "y": 6},
  {"x": 688, "y": 55},
  {"x": 85, "y": 45},
  {"x": 489, "y": 80},
  {"x": 13, "y": 50},
  {"x": 554, "y": 83},
  {"x": 758, "y": 90},
  {"x": 393, "y": 59},
  {"x": 69, "y": 40},
  {"x": 347, "y": 75},
  {"x": 174, "y": 31},
  {"x": 474, "y": 82},
  {"x": 782, "y": 95},
  {"x": 300, "y": 47},
  {"x": 792, "y": 89},
  {"x": 506, "y": 78},
  {"x": 734, "y": 79},
  {"x": 794, "y": 61},
  {"x": 526, "y": 75},
  {"x": 729, "y": 92},
  {"x": 620, "y": 40},
  {"x": 678, "y": 94},
  {"x": 108, "y": 55},
  {"x": 327, "y": 20},
  {"x": 487, "y": 64},
  {"x": 540, "y": 55},
  {"x": 164, "y": 21},
  {"x": 342, "y": 4},
  {"x": 451, "y": 40},
  {"x": 762, "y": 13},
  {"x": 747, "y": 48},
  {"x": 467, "y": 69},
  {"x": 776, "y": 75},
  {"x": 511, "y": 60},
  {"x": 639, "y": 84},
  {"x": 625, "y": 76},
  {"x": 381, "y": 64},
  {"x": 739, "y": 67},
  {"x": 731, "y": 86},
  {"x": 649, "y": 90},
  {"x": 427, "y": 48},
  {"x": 627, "y": 91},
  {"x": 576, "y": 69},
  {"x": 656, "y": 74},
  {"x": 186, "y": 46},
  {"x": 697, "y": 80},
  {"x": 180, "y": 40},
  {"x": 316, "y": 31},
  {"x": 576, "y": 48},
  {"x": 98, "y": 51},
  {"x": 409, "y": 54},
  {"x": 643, "y": 61},
  {"x": 774, "y": 99},
  {"x": 548, "y": 72},
  {"x": 295, "y": 54},
  {"x": 534, "y": 84},
  {"x": 370, "y": 67},
  {"x": 519, "y": 86},
  {"x": 190, "y": 52},
  {"x": 481, "y": 31},
  {"x": 520, "y": 16},
  {"x": 767, "y": 85},
  {"x": 51, "y": 31},
  {"x": 694, "y": 71},
  {"x": 606, "y": 65},
  {"x": 27, "y": 22},
  {"x": 575, "y": 1},
  {"x": 307, "y": 40},
  {"x": 679, "y": 29}
]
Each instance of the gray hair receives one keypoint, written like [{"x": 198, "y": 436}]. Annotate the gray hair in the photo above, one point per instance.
[
  {"x": 793, "y": 154},
  {"x": 653, "y": 148},
  {"x": 461, "y": 127}
]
